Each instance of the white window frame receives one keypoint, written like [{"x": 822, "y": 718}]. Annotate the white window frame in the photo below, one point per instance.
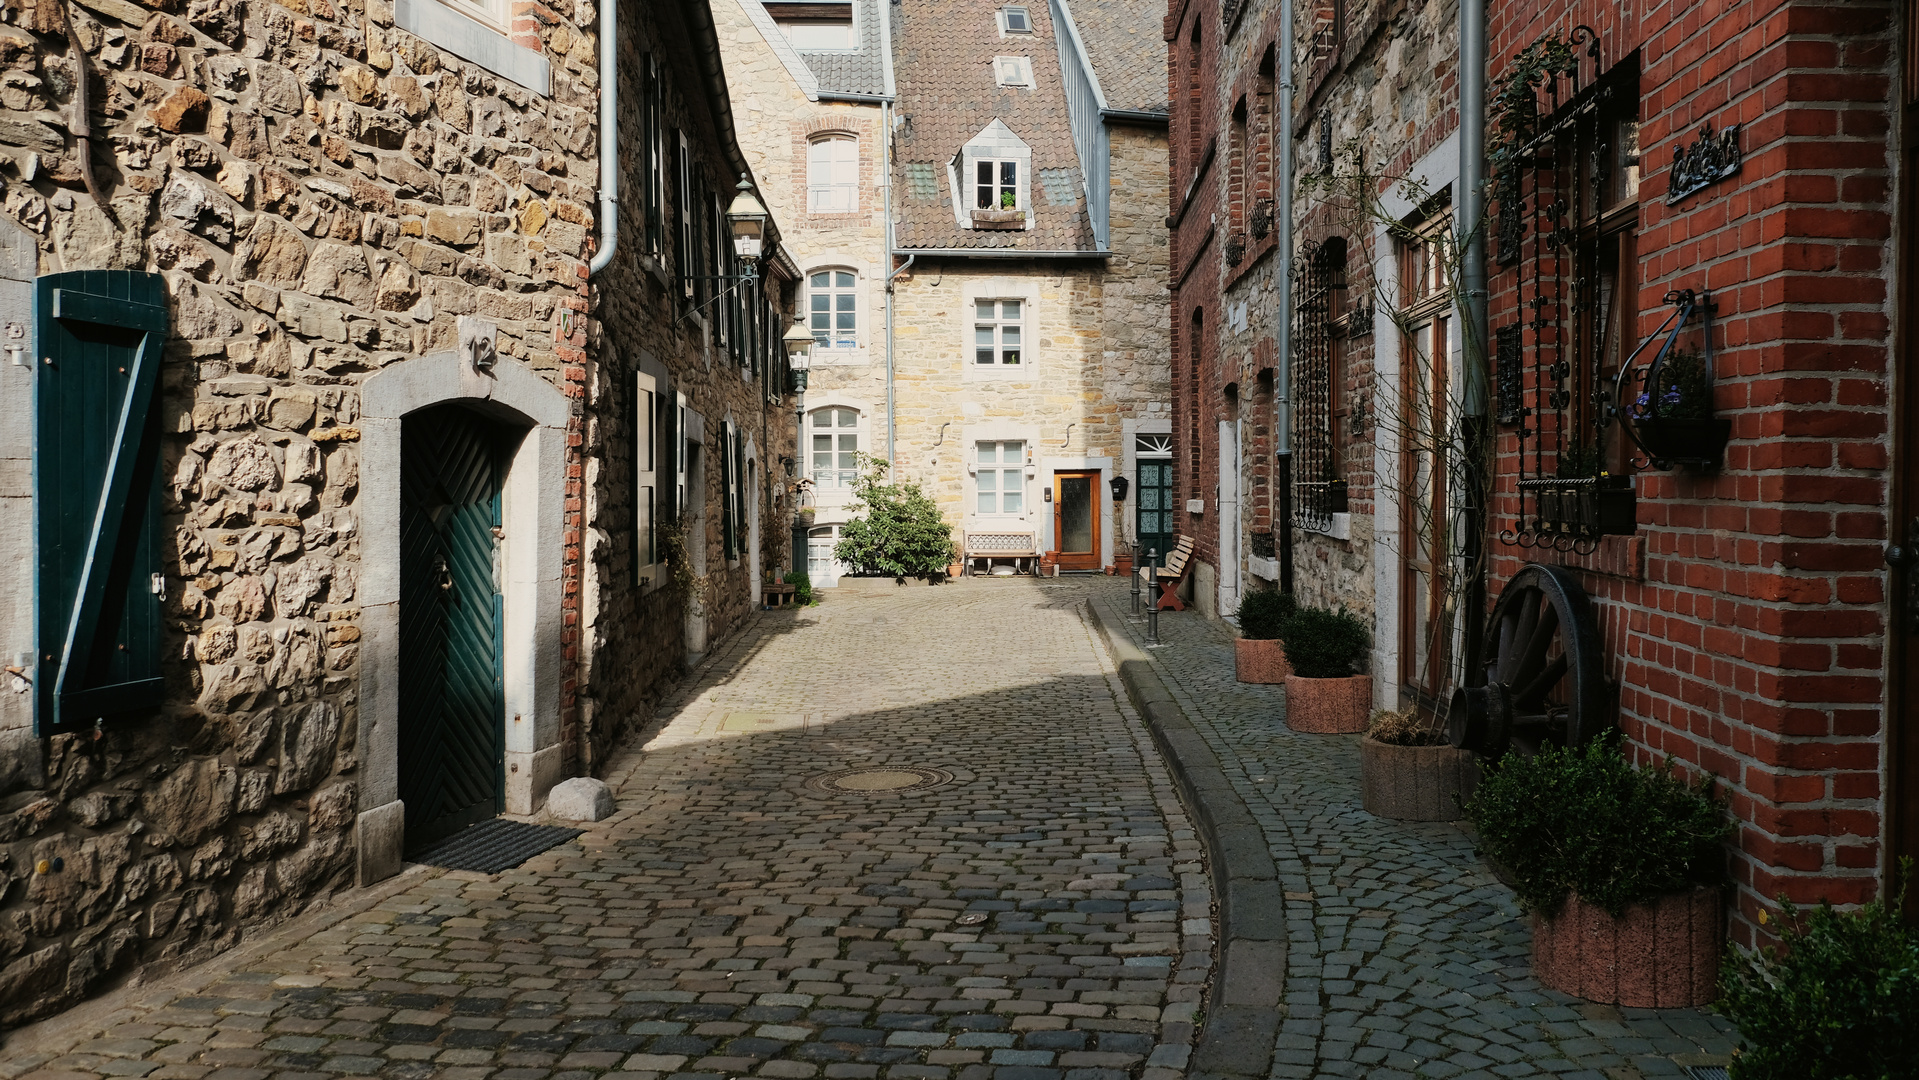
[
  {"x": 476, "y": 32},
  {"x": 1000, "y": 472},
  {"x": 996, "y": 143},
  {"x": 829, "y": 536},
  {"x": 834, "y": 292},
  {"x": 1000, "y": 288},
  {"x": 851, "y": 22},
  {"x": 998, "y": 184},
  {"x": 649, "y": 493},
  {"x": 1013, "y": 71},
  {"x": 837, "y": 193},
  {"x": 827, "y": 482},
  {"x": 1000, "y": 324},
  {"x": 1004, "y": 16}
]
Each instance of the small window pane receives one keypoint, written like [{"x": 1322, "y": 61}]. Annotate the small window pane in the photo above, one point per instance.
[
  {"x": 1013, "y": 451},
  {"x": 983, "y": 356},
  {"x": 823, "y": 418},
  {"x": 1009, "y": 335},
  {"x": 843, "y": 279},
  {"x": 1011, "y": 501},
  {"x": 848, "y": 418},
  {"x": 986, "y": 452},
  {"x": 985, "y": 310},
  {"x": 819, "y": 280},
  {"x": 986, "y": 501},
  {"x": 1011, "y": 308},
  {"x": 982, "y": 335},
  {"x": 1009, "y": 173},
  {"x": 988, "y": 479},
  {"x": 1009, "y": 356}
]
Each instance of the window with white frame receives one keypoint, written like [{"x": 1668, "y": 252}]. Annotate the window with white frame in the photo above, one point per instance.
[
  {"x": 995, "y": 184},
  {"x": 1015, "y": 20},
  {"x": 1001, "y": 477},
  {"x": 997, "y": 339},
  {"x": 835, "y": 439},
  {"x": 1013, "y": 71},
  {"x": 832, "y": 301},
  {"x": 833, "y": 175},
  {"x": 479, "y": 31}
]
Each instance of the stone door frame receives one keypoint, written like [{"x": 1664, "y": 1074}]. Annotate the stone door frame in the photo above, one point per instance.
[{"x": 532, "y": 552}]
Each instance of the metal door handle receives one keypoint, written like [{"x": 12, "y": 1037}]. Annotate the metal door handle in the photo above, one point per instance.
[{"x": 445, "y": 575}]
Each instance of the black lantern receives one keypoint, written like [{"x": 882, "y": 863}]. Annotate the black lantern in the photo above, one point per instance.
[{"x": 1119, "y": 485}]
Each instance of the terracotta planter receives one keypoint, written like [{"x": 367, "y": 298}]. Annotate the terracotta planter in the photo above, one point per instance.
[
  {"x": 1658, "y": 955},
  {"x": 1257, "y": 661},
  {"x": 1415, "y": 783},
  {"x": 1329, "y": 706}
]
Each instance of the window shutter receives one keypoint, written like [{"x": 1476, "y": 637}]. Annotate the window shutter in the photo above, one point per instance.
[
  {"x": 739, "y": 492},
  {"x": 726, "y": 488},
  {"x": 646, "y": 472},
  {"x": 98, "y": 577}
]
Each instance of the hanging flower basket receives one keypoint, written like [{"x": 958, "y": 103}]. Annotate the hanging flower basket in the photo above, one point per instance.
[{"x": 1666, "y": 405}]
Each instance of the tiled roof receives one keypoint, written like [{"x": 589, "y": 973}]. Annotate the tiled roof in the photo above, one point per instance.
[
  {"x": 1123, "y": 40},
  {"x": 943, "y": 54},
  {"x": 861, "y": 72}
]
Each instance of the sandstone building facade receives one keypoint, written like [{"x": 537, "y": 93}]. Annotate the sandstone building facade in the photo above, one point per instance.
[
  {"x": 1002, "y": 340},
  {"x": 349, "y": 572}
]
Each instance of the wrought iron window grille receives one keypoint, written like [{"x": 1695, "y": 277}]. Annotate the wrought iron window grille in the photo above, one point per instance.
[
  {"x": 1566, "y": 206},
  {"x": 1320, "y": 284}
]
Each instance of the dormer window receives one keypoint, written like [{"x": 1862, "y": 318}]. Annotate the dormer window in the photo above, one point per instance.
[
  {"x": 996, "y": 185},
  {"x": 1013, "y": 71},
  {"x": 816, "y": 26},
  {"x": 1015, "y": 20}
]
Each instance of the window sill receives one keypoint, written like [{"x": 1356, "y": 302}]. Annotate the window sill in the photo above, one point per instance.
[
  {"x": 1340, "y": 529},
  {"x": 999, "y": 371},
  {"x": 473, "y": 40}
]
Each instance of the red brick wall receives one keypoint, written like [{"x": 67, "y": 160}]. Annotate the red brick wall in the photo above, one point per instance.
[
  {"x": 1746, "y": 620},
  {"x": 1196, "y": 241}
]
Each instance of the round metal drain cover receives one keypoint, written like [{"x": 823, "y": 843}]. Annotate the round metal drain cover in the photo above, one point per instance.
[{"x": 882, "y": 781}]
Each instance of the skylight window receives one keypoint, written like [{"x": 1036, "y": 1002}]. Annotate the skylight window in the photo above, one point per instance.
[
  {"x": 1015, "y": 20},
  {"x": 1013, "y": 71}
]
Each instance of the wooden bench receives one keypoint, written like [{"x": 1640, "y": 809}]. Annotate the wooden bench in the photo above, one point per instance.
[
  {"x": 778, "y": 594},
  {"x": 984, "y": 547},
  {"x": 1172, "y": 575}
]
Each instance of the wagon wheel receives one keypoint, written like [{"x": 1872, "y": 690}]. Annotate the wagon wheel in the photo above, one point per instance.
[{"x": 1544, "y": 684}]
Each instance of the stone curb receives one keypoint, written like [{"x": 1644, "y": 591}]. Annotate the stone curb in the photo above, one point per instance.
[{"x": 1242, "y": 1022}]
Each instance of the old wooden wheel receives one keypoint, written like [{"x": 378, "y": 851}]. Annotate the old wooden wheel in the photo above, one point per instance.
[{"x": 1543, "y": 682}]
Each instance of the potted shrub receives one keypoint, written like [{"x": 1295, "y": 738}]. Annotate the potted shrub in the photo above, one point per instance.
[
  {"x": 1259, "y": 656},
  {"x": 1621, "y": 868},
  {"x": 899, "y": 532},
  {"x": 1409, "y": 772},
  {"x": 1838, "y": 998},
  {"x": 1323, "y": 695}
]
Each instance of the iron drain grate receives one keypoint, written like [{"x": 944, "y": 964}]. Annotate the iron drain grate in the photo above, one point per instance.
[
  {"x": 1707, "y": 1072},
  {"x": 493, "y": 846},
  {"x": 878, "y": 780}
]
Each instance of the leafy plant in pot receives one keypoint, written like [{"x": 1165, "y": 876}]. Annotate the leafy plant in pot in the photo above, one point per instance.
[
  {"x": 899, "y": 533},
  {"x": 1259, "y": 654},
  {"x": 1409, "y": 772},
  {"x": 1323, "y": 695},
  {"x": 1838, "y": 998},
  {"x": 1620, "y": 866}
]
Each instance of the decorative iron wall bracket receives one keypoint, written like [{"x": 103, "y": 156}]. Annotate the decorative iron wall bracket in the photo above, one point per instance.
[
  {"x": 1710, "y": 159},
  {"x": 1668, "y": 440}
]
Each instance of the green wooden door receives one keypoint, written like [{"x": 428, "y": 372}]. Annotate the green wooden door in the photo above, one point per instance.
[
  {"x": 452, "y": 704},
  {"x": 1155, "y": 508},
  {"x": 98, "y": 575}
]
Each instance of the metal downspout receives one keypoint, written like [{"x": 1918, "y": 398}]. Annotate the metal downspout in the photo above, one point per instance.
[
  {"x": 886, "y": 161},
  {"x": 609, "y": 137},
  {"x": 1470, "y": 226},
  {"x": 1283, "y": 332}
]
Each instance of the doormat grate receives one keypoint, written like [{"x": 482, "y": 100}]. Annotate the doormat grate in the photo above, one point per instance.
[
  {"x": 1707, "y": 1072},
  {"x": 493, "y": 846}
]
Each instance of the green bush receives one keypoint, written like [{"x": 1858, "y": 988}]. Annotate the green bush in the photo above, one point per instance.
[
  {"x": 802, "y": 587},
  {"x": 1586, "y": 820},
  {"x": 1839, "y": 1000},
  {"x": 901, "y": 533},
  {"x": 1323, "y": 644},
  {"x": 1263, "y": 614}
]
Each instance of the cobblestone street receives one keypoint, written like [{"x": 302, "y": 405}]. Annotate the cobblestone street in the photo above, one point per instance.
[
  {"x": 1040, "y": 912},
  {"x": 1406, "y": 956}
]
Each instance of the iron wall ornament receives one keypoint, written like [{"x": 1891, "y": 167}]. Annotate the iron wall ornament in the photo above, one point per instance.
[{"x": 1710, "y": 159}]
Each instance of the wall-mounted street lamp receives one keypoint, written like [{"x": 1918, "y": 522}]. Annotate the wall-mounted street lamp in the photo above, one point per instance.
[
  {"x": 799, "y": 350},
  {"x": 746, "y": 220}
]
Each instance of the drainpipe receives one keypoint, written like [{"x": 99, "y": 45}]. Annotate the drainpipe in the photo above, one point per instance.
[
  {"x": 1283, "y": 332},
  {"x": 886, "y": 188},
  {"x": 1471, "y": 229},
  {"x": 609, "y": 137}
]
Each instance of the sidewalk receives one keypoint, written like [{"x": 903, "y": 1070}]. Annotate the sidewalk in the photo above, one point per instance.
[{"x": 1406, "y": 956}]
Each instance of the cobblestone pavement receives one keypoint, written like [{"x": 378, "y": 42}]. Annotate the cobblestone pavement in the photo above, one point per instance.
[
  {"x": 1043, "y": 916},
  {"x": 1407, "y": 957}
]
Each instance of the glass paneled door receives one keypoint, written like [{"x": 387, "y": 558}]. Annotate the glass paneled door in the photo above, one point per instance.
[
  {"x": 1076, "y": 514},
  {"x": 1153, "y": 524}
]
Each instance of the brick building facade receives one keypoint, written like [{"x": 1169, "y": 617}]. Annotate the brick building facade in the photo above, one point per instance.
[
  {"x": 329, "y": 263},
  {"x": 1745, "y": 606}
]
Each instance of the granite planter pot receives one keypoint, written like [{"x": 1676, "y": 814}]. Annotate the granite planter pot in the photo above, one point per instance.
[
  {"x": 1663, "y": 954},
  {"x": 1415, "y": 783},
  {"x": 1260, "y": 661},
  {"x": 1329, "y": 706}
]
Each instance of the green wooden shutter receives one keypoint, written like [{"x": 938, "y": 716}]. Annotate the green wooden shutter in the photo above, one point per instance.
[
  {"x": 727, "y": 481},
  {"x": 98, "y": 581}
]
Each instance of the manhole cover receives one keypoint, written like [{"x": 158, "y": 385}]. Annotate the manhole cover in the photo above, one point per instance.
[{"x": 884, "y": 781}]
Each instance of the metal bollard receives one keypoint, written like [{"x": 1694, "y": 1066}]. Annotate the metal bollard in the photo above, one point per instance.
[
  {"x": 1152, "y": 590},
  {"x": 1135, "y": 576}
]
